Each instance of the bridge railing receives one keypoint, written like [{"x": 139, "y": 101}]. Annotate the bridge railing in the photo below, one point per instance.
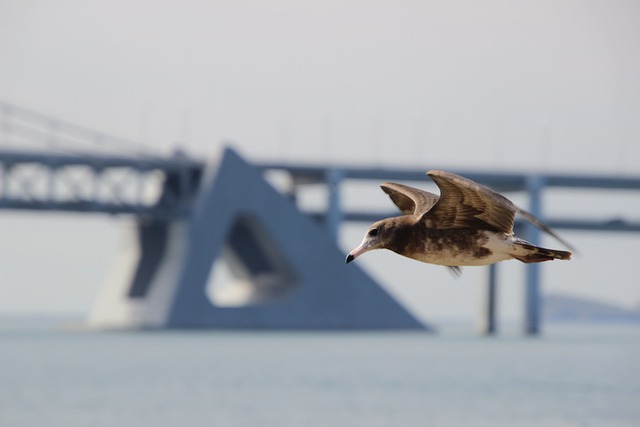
[{"x": 159, "y": 188}]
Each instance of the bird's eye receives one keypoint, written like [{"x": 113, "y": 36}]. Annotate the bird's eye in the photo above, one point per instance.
[{"x": 373, "y": 232}]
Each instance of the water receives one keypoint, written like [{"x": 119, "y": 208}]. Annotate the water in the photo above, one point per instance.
[{"x": 573, "y": 376}]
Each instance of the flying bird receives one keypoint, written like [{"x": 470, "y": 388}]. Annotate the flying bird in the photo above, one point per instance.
[{"x": 467, "y": 225}]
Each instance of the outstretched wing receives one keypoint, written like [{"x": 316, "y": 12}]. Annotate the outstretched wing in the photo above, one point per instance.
[
  {"x": 409, "y": 200},
  {"x": 466, "y": 204}
]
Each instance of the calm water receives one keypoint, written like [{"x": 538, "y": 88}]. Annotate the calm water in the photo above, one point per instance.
[{"x": 573, "y": 376}]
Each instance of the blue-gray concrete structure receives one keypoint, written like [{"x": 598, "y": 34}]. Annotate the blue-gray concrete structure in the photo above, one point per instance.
[{"x": 289, "y": 267}]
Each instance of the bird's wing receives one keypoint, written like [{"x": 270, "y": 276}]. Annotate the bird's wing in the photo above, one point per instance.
[
  {"x": 466, "y": 204},
  {"x": 410, "y": 200}
]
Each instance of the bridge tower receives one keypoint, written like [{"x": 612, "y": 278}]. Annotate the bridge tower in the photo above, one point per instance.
[{"x": 284, "y": 270}]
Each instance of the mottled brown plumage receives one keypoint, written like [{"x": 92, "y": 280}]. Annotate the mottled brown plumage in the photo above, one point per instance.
[{"x": 468, "y": 224}]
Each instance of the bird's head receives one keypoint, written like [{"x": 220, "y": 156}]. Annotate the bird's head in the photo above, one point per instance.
[{"x": 379, "y": 236}]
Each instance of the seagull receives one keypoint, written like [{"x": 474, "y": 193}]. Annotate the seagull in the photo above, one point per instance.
[{"x": 467, "y": 225}]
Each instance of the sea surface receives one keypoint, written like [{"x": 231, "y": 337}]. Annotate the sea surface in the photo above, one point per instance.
[{"x": 586, "y": 375}]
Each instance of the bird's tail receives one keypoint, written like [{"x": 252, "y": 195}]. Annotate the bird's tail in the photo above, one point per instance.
[{"x": 528, "y": 253}]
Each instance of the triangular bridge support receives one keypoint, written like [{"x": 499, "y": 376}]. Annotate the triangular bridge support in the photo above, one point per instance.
[{"x": 282, "y": 269}]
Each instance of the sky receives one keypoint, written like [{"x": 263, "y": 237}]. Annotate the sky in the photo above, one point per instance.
[{"x": 539, "y": 86}]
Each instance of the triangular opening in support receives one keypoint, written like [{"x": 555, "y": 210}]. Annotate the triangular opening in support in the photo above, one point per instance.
[{"x": 252, "y": 269}]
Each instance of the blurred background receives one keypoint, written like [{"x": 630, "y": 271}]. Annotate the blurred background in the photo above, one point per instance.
[{"x": 497, "y": 86}]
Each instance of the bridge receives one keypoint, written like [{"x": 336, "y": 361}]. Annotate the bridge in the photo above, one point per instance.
[{"x": 185, "y": 208}]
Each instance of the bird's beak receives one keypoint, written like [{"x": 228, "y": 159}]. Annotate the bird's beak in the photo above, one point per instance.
[{"x": 357, "y": 252}]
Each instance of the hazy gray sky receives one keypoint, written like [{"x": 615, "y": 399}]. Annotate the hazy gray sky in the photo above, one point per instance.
[{"x": 498, "y": 85}]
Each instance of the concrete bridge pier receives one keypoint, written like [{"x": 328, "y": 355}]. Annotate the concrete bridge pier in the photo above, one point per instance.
[
  {"x": 139, "y": 290},
  {"x": 488, "y": 305},
  {"x": 535, "y": 186},
  {"x": 285, "y": 267}
]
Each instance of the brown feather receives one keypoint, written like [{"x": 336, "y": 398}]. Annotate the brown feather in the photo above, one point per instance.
[
  {"x": 409, "y": 200},
  {"x": 466, "y": 204}
]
